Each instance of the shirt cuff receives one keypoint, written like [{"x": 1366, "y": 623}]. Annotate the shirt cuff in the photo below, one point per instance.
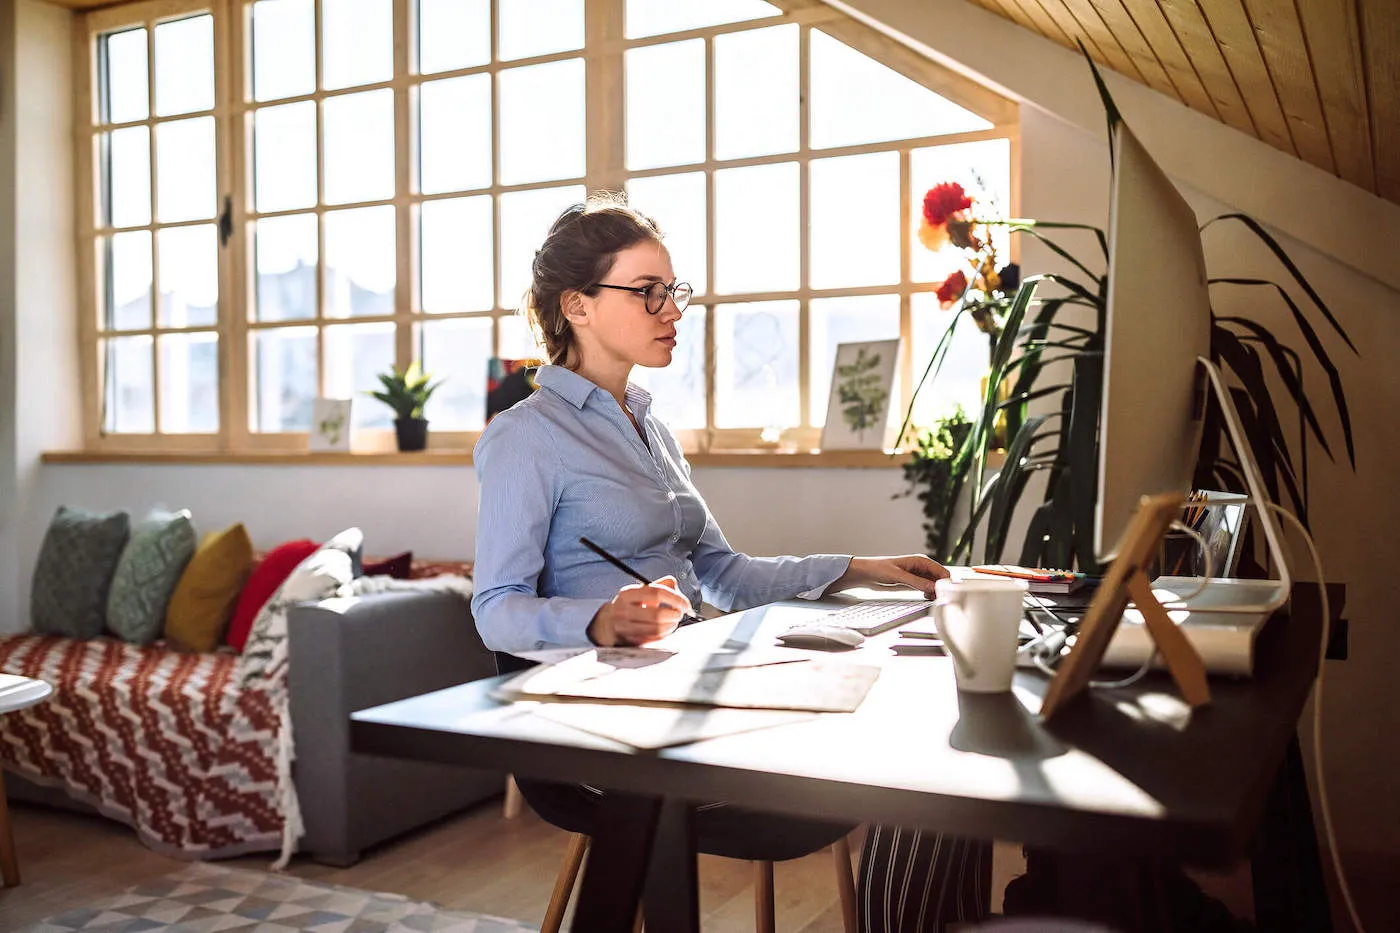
[
  {"x": 567, "y": 623},
  {"x": 826, "y": 569}
]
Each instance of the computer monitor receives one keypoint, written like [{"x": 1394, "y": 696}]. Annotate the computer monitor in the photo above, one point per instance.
[
  {"x": 1157, "y": 363},
  {"x": 1158, "y": 325}
]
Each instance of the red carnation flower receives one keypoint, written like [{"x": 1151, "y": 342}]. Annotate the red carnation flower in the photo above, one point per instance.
[
  {"x": 943, "y": 201},
  {"x": 951, "y": 290}
]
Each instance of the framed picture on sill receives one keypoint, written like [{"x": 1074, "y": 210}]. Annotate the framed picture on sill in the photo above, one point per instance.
[
  {"x": 862, "y": 387},
  {"x": 330, "y": 424}
]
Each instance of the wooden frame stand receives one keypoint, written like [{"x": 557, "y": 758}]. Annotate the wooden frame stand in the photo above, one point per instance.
[{"x": 1126, "y": 580}]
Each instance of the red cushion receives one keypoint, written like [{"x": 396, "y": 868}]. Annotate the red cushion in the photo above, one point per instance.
[
  {"x": 266, "y": 577},
  {"x": 397, "y": 566}
]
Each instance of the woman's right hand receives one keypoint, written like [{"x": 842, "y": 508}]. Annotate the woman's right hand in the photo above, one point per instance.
[{"x": 639, "y": 614}]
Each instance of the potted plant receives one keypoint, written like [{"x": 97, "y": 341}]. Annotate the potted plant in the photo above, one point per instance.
[
  {"x": 932, "y": 476},
  {"x": 407, "y": 393},
  {"x": 1063, "y": 442}
]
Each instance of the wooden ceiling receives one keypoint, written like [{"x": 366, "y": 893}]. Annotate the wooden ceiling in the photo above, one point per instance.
[{"x": 1319, "y": 79}]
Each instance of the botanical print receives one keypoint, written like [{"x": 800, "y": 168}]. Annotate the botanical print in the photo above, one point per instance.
[{"x": 862, "y": 382}]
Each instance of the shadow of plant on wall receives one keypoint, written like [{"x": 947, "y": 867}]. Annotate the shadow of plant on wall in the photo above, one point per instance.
[{"x": 1049, "y": 349}]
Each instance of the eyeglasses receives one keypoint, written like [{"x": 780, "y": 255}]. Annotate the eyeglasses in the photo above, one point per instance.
[{"x": 656, "y": 293}]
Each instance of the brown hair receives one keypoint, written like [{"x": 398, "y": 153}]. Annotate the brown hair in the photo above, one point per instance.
[{"x": 577, "y": 254}]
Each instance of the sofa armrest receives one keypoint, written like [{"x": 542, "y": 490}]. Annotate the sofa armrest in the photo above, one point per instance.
[{"x": 350, "y": 653}]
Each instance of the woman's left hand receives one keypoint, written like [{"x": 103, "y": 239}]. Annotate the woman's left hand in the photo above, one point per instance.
[{"x": 910, "y": 571}]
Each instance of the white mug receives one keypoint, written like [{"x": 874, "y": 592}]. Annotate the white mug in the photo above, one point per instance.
[{"x": 978, "y": 620}]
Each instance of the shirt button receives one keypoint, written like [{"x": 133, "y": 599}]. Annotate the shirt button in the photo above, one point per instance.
[
  {"x": 670, "y": 495},
  {"x": 675, "y": 538}
]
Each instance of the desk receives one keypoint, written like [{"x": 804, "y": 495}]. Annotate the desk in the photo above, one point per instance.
[{"x": 1126, "y": 773}]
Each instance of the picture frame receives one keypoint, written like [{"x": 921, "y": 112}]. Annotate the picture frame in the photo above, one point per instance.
[
  {"x": 1125, "y": 582},
  {"x": 862, "y": 391},
  {"x": 330, "y": 425},
  {"x": 508, "y": 381}
]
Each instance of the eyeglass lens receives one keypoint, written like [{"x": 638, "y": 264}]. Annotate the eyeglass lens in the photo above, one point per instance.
[{"x": 656, "y": 296}]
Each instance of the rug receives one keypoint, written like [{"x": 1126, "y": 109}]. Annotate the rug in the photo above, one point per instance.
[{"x": 205, "y": 898}]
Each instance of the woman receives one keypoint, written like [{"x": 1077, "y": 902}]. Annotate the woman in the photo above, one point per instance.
[{"x": 583, "y": 456}]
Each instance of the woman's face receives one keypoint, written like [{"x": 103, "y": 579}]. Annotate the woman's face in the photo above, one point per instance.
[{"x": 619, "y": 326}]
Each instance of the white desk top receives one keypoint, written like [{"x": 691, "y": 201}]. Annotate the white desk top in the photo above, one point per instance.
[{"x": 17, "y": 692}]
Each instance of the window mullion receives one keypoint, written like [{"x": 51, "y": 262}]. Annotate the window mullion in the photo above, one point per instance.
[
  {"x": 604, "y": 102},
  {"x": 155, "y": 222},
  {"x": 712, "y": 317},
  {"x": 404, "y": 238},
  {"x": 804, "y": 307},
  {"x": 906, "y": 273},
  {"x": 229, "y": 85}
]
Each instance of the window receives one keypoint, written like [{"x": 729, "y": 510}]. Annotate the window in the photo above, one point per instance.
[{"x": 290, "y": 201}]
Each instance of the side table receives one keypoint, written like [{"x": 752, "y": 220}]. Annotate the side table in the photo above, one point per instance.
[{"x": 16, "y": 693}]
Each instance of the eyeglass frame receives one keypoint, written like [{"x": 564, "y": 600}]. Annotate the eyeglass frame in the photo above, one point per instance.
[{"x": 645, "y": 291}]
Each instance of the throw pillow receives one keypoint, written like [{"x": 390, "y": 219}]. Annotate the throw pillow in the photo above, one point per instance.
[
  {"x": 318, "y": 577},
  {"x": 207, "y": 591},
  {"x": 147, "y": 571},
  {"x": 399, "y": 566},
  {"x": 74, "y": 572},
  {"x": 266, "y": 577}
]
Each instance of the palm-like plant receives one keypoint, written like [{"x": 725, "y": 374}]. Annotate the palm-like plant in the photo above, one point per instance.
[
  {"x": 406, "y": 392},
  {"x": 1063, "y": 443}
]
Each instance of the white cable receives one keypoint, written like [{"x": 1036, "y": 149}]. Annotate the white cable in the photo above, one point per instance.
[
  {"x": 1317, "y": 722},
  {"x": 1210, "y": 565}
]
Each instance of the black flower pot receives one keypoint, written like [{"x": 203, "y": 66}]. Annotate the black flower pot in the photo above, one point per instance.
[{"x": 412, "y": 433}]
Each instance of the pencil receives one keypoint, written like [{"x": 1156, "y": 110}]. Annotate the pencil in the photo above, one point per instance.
[{"x": 687, "y": 618}]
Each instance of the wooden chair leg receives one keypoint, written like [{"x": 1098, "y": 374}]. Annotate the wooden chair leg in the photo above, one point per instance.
[
  {"x": 9, "y": 862},
  {"x": 764, "y": 920},
  {"x": 845, "y": 883},
  {"x": 514, "y": 800},
  {"x": 564, "y": 884}
]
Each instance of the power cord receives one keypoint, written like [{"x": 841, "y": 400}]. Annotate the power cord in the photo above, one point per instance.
[{"x": 1317, "y": 721}]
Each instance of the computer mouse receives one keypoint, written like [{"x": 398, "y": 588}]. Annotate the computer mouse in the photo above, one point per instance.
[{"x": 822, "y": 637}]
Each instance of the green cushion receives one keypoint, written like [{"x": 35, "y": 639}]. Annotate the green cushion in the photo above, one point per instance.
[
  {"x": 146, "y": 575},
  {"x": 71, "y": 579}
]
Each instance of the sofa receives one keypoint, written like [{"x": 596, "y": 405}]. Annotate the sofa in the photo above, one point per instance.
[{"x": 344, "y": 653}]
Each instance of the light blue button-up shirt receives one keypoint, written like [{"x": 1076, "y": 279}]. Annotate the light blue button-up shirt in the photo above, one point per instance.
[{"x": 566, "y": 462}]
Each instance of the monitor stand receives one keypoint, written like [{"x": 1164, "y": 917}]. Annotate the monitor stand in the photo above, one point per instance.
[{"x": 1226, "y": 594}]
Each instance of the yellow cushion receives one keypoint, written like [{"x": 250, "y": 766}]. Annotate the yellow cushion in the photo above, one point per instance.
[{"x": 203, "y": 600}]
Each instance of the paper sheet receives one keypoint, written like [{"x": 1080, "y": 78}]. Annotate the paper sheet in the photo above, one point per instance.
[
  {"x": 756, "y": 679},
  {"x": 651, "y": 727}
]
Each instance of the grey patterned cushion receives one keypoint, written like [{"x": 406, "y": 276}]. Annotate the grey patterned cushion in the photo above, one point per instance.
[
  {"x": 146, "y": 574},
  {"x": 74, "y": 571}
]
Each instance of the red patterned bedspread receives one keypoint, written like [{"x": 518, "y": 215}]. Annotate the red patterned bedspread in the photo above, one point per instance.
[{"x": 151, "y": 737}]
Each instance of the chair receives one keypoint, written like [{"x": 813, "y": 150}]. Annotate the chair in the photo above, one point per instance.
[
  {"x": 763, "y": 887},
  {"x": 578, "y": 847}
]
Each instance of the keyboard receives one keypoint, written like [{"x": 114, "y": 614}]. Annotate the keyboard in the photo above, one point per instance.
[{"x": 873, "y": 616}]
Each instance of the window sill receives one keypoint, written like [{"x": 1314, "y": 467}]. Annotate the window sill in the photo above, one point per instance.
[{"x": 753, "y": 459}]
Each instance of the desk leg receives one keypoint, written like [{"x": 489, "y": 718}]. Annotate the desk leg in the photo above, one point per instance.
[
  {"x": 673, "y": 887},
  {"x": 1290, "y": 893},
  {"x": 617, "y": 864},
  {"x": 9, "y": 862}
]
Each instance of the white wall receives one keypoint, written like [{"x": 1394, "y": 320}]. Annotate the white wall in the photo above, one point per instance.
[
  {"x": 1343, "y": 238},
  {"x": 432, "y": 510},
  {"x": 38, "y": 322}
]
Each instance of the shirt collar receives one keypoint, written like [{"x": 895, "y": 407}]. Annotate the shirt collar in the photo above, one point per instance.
[{"x": 575, "y": 389}]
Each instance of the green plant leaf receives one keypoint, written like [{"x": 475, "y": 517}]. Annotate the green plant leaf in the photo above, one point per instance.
[
  {"x": 1288, "y": 264},
  {"x": 1334, "y": 377}
]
